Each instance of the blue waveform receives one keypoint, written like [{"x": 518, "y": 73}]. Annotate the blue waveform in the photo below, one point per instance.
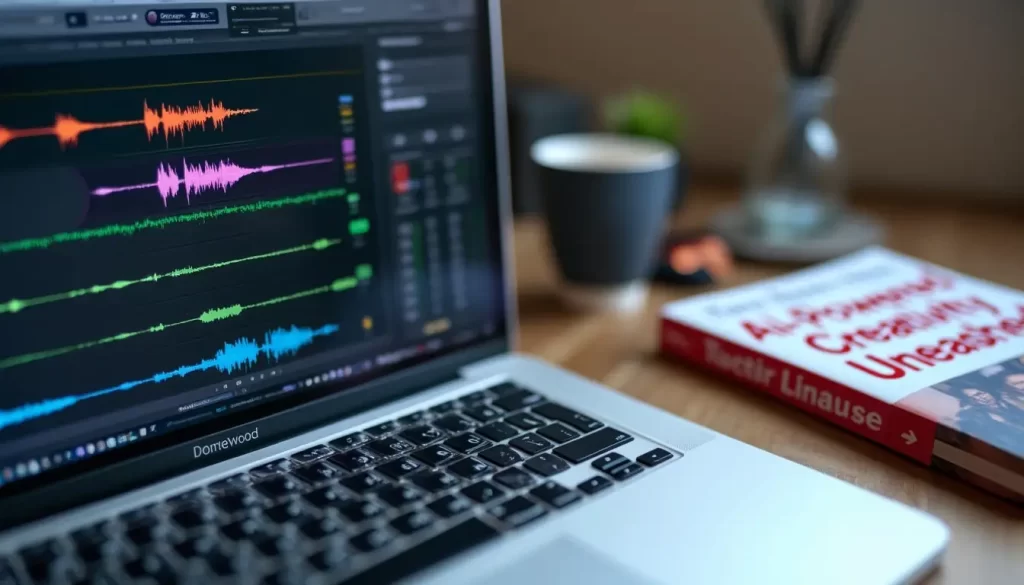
[{"x": 234, "y": 356}]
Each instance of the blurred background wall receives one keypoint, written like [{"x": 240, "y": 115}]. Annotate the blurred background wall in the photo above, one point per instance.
[{"x": 930, "y": 93}]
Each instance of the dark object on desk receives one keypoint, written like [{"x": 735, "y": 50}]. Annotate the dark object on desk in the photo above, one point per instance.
[
  {"x": 786, "y": 16},
  {"x": 606, "y": 198},
  {"x": 536, "y": 111},
  {"x": 694, "y": 258}
]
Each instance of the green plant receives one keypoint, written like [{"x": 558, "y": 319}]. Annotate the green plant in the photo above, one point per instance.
[{"x": 646, "y": 114}]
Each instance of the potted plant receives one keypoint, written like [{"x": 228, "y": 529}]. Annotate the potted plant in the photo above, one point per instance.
[{"x": 642, "y": 113}]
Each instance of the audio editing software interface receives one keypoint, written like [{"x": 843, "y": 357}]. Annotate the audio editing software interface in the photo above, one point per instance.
[{"x": 207, "y": 209}]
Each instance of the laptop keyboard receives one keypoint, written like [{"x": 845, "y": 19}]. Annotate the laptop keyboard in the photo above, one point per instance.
[{"x": 373, "y": 506}]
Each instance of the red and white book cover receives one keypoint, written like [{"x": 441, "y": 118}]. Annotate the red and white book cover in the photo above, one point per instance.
[{"x": 924, "y": 360}]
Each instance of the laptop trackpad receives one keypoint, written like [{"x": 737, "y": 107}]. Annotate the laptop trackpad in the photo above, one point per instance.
[{"x": 565, "y": 561}]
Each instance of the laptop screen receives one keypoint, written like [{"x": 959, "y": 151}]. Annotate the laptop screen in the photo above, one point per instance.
[{"x": 211, "y": 211}]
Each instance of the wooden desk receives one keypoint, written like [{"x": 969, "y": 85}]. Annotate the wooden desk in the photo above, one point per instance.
[{"x": 988, "y": 535}]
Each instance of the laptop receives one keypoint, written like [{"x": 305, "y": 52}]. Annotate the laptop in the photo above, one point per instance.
[{"x": 257, "y": 324}]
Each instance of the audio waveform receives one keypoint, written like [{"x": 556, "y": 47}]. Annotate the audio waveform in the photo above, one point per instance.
[
  {"x": 197, "y": 179},
  {"x": 18, "y": 305},
  {"x": 208, "y": 316},
  {"x": 167, "y": 120},
  {"x": 238, "y": 355},
  {"x": 163, "y": 222}
]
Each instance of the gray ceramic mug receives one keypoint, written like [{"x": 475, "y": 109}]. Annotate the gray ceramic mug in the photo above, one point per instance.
[{"x": 606, "y": 198}]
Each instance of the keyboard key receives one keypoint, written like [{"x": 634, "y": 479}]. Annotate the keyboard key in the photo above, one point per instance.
[
  {"x": 412, "y": 522},
  {"x": 277, "y": 487},
  {"x": 276, "y": 545},
  {"x": 421, "y": 435},
  {"x": 331, "y": 558},
  {"x": 627, "y": 471},
  {"x": 411, "y": 419},
  {"x": 558, "y": 433},
  {"x": 197, "y": 547},
  {"x": 555, "y": 494},
  {"x": 504, "y": 389},
  {"x": 318, "y": 528},
  {"x": 317, "y": 473},
  {"x": 449, "y": 506},
  {"x": 362, "y": 483},
  {"x": 501, "y": 455},
  {"x": 498, "y": 431},
  {"x": 411, "y": 561},
  {"x": 285, "y": 512},
  {"x": 349, "y": 441},
  {"x": 193, "y": 517},
  {"x": 383, "y": 428},
  {"x": 518, "y": 400},
  {"x": 434, "y": 481},
  {"x": 311, "y": 455},
  {"x": 525, "y": 421},
  {"x": 594, "y": 444},
  {"x": 39, "y": 558},
  {"x": 220, "y": 563},
  {"x": 242, "y": 529},
  {"x": 153, "y": 567},
  {"x": 372, "y": 540},
  {"x": 546, "y": 464},
  {"x": 483, "y": 492},
  {"x": 467, "y": 535},
  {"x": 517, "y": 511},
  {"x": 228, "y": 484},
  {"x": 475, "y": 398},
  {"x": 470, "y": 468},
  {"x": 399, "y": 496},
  {"x": 94, "y": 553},
  {"x": 445, "y": 407},
  {"x": 186, "y": 498},
  {"x": 454, "y": 423},
  {"x": 140, "y": 516},
  {"x": 235, "y": 502},
  {"x": 483, "y": 413},
  {"x": 92, "y": 534},
  {"x": 468, "y": 443},
  {"x": 390, "y": 446},
  {"x": 654, "y": 457},
  {"x": 289, "y": 576},
  {"x": 271, "y": 469},
  {"x": 360, "y": 510},
  {"x": 594, "y": 484},
  {"x": 531, "y": 443},
  {"x": 578, "y": 421},
  {"x": 324, "y": 497},
  {"x": 400, "y": 468},
  {"x": 514, "y": 478},
  {"x": 435, "y": 456},
  {"x": 354, "y": 460},
  {"x": 144, "y": 535},
  {"x": 606, "y": 463}
]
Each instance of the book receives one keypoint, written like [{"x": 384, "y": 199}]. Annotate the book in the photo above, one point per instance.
[{"x": 921, "y": 359}]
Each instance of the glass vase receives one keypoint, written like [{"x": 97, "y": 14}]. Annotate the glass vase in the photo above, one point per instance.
[{"x": 796, "y": 183}]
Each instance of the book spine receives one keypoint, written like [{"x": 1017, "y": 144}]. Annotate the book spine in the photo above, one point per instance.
[{"x": 902, "y": 431}]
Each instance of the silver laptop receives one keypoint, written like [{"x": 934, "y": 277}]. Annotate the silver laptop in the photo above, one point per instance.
[{"x": 257, "y": 322}]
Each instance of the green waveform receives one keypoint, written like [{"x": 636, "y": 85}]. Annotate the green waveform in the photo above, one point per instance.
[
  {"x": 210, "y": 316},
  {"x": 163, "y": 222},
  {"x": 364, "y": 271},
  {"x": 16, "y": 305},
  {"x": 359, "y": 226}
]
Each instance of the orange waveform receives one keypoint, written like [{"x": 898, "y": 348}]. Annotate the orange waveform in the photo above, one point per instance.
[
  {"x": 173, "y": 120},
  {"x": 170, "y": 120}
]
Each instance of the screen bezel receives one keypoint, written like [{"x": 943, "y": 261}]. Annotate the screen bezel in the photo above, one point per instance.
[{"x": 150, "y": 462}]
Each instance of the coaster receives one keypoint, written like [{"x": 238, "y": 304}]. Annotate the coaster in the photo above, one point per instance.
[
  {"x": 623, "y": 298},
  {"x": 851, "y": 234}
]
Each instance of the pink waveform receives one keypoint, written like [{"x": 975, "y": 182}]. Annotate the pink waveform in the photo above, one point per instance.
[{"x": 205, "y": 176}]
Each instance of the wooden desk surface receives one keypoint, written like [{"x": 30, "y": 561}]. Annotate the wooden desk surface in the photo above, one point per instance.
[{"x": 987, "y": 535}]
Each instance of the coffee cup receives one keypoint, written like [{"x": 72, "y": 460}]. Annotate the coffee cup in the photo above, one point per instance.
[{"x": 606, "y": 198}]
